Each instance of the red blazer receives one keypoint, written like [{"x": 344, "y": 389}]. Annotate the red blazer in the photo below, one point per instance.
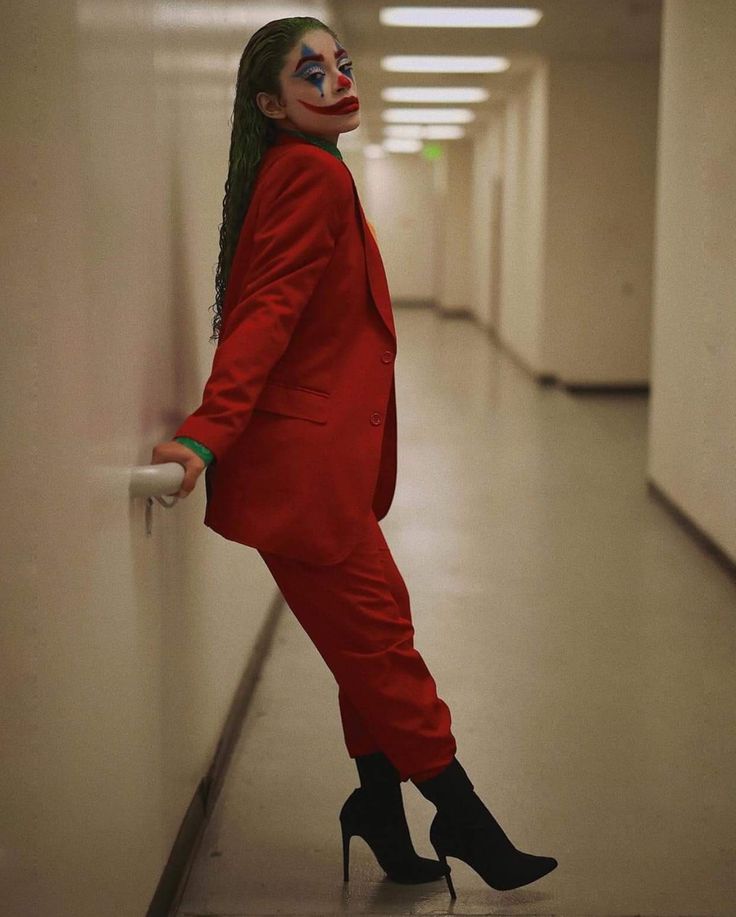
[{"x": 300, "y": 407}]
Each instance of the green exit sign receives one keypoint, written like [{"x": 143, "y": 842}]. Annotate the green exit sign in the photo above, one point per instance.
[{"x": 432, "y": 151}]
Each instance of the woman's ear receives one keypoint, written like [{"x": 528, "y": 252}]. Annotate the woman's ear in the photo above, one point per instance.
[{"x": 269, "y": 105}]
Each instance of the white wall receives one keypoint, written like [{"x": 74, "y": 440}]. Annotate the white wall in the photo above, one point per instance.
[
  {"x": 398, "y": 198},
  {"x": 692, "y": 435},
  {"x": 355, "y": 161},
  {"x": 121, "y": 651},
  {"x": 485, "y": 238},
  {"x": 455, "y": 251},
  {"x": 523, "y": 220},
  {"x": 602, "y": 124}
]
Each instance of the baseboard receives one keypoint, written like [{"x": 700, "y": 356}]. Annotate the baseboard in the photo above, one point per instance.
[
  {"x": 706, "y": 543},
  {"x": 172, "y": 883},
  {"x": 605, "y": 388}
]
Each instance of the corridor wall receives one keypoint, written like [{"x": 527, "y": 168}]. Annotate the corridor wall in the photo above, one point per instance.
[
  {"x": 121, "y": 650},
  {"x": 692, "y": 419}
]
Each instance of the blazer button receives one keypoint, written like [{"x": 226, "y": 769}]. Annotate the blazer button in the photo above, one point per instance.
[
  {"x": 375, "y": 418},
  {"x": 386, "y": 356}
]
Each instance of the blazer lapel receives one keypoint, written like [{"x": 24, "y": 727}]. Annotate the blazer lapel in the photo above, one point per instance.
[{"x": 374, "y": 265}]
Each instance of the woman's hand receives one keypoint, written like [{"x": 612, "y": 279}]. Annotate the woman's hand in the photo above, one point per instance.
[{"x": 173, "y": 451}]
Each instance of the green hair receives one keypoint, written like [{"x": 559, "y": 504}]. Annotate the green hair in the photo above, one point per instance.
[{"x": 252, "y": 133}]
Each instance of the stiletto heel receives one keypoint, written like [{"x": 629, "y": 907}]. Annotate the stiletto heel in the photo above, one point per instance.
[
  {"x": 375, "y": 812},
  {"x": 345, "y": 854},
  {"x": 381, "y": 822},
  {"x": 464, "y": 828},
  {"x": 443, "y": 860}
]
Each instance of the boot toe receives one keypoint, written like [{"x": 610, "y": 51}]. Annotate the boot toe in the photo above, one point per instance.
[{"x": 522, "y": 869}]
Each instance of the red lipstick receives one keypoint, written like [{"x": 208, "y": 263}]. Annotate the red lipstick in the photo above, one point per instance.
[{"x": 339, "y": 108}]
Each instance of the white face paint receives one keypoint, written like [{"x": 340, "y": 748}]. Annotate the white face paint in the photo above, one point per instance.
[{"x": 316, "y": 82}]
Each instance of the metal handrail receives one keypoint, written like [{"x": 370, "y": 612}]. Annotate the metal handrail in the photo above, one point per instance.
[{"x": 158, "y": 481}]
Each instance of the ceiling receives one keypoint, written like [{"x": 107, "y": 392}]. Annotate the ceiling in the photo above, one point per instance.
[{"x": 598, "y": 29}]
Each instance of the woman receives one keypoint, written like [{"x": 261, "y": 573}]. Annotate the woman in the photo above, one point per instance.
[{"x": 297, "y": 433}]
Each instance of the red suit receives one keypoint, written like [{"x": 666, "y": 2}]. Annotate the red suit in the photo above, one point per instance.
[
  {"x": 307, "y": 334},
  {"x": 300, "y": 413}
]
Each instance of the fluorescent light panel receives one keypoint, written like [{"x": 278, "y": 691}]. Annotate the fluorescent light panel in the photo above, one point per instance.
[
  {"x": 425, "y": 132},
  {"x": 443, "y": 132},
  {"x": 399, "y": 145},
  {"x": 403, "y": 130},
  {"x": 171, "y": 61},
  {"x": 461, "y": 17},
  {"x": 434, "y": 94},
  {"x": 175, "y": 16},
  {"x": 444, "y": 63},
  {"x": 428, "y": 115},
  {"x": 228, "y": 15}
]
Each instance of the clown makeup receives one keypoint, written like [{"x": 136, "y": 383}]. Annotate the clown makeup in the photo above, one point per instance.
[{"x": 317, "y": 83}]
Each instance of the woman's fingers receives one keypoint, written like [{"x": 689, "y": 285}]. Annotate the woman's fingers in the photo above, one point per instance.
[{"x": 174, "y": 451}]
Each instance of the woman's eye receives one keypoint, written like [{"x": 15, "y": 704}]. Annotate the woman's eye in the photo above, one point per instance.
[{"x": 319, "y": 72}]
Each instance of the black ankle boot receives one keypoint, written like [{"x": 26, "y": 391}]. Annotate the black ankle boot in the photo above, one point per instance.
[
  {"x": 464, "y": 828},
  {"x": 375, "y": 812}
]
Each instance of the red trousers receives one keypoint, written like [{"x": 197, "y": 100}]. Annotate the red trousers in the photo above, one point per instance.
[{"x": 357, "y": 614}]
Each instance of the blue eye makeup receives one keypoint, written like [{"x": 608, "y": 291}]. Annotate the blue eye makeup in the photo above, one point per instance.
[
  {"x": 317, "y": 69},
  {"x": 313, "y": 69}
]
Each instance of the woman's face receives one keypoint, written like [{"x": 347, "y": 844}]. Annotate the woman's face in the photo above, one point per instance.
[{"x": 316, "y": 81}]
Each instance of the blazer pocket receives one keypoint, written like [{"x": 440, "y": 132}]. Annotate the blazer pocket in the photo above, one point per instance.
[{"x": 292, "y": 401}]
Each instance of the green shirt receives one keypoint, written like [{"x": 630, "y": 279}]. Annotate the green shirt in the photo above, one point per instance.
[{"x": 202, "y": 451}]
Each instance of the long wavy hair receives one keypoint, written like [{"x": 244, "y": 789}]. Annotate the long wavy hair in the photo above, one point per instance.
[{"x": 252, "y": 133}]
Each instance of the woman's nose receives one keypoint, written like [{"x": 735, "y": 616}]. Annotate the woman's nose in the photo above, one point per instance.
[{"x": 344, "y": 82}]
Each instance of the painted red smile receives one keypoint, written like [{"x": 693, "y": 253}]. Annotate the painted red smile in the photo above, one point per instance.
[{"x": 339, "y": 108}]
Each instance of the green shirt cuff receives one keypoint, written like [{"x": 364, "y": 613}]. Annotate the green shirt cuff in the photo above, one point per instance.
[{"x": 202, "y": 451}]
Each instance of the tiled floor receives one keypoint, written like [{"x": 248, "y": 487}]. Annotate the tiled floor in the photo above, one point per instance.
[{"x": 583, "y": 641}]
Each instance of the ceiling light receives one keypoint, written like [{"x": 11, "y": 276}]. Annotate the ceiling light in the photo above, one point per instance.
[
  {"x": 167, "y": 16},
  {"x": 170, "y": 61},
  {"x": 441, "y": 63},
  {"x": 397, "y": 145},
  {"x": 434, "y": 94},
  {"x": 403, "y": 130},
  {"x": 463, "y": 17},
  {"x": 425, "y": 132},
  {"x": 428, "y": 115},
  {"x": 443, "y": 132},
  {"x": 228, "y": 15}
]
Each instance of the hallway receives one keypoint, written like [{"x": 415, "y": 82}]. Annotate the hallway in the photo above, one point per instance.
[{"x": 583, "y": 640}]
